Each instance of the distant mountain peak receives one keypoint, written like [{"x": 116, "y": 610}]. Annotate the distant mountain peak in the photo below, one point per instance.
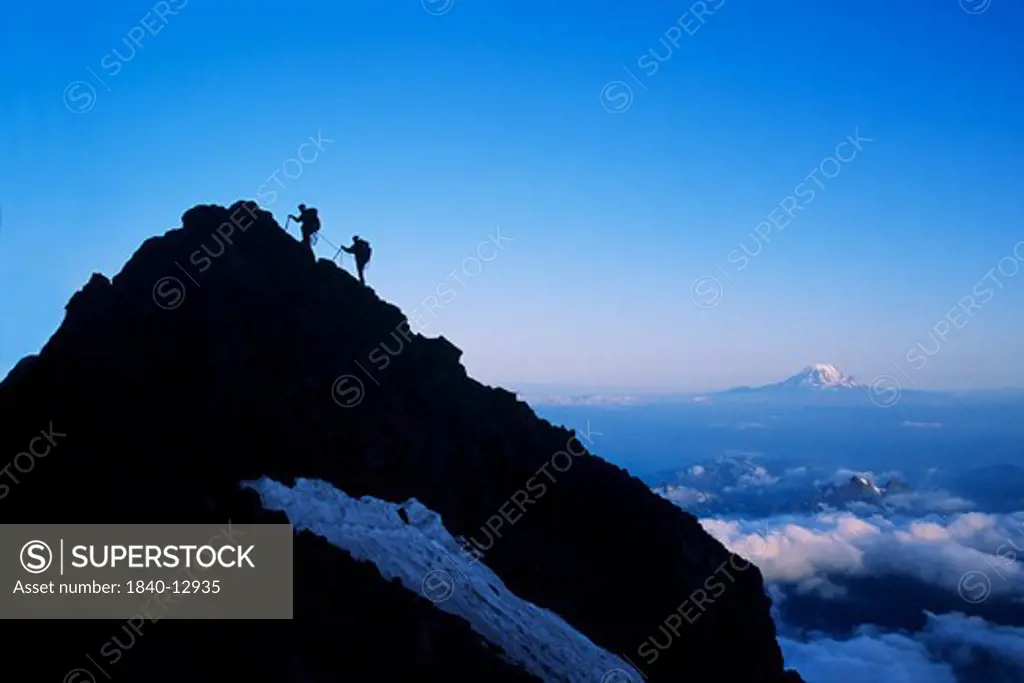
[
  {"x": 814, "y": 380},
  {"x": 822, "y": 376}
]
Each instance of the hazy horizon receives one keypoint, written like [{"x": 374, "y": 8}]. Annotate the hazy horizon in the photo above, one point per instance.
[{"x": 583, "y": 388}]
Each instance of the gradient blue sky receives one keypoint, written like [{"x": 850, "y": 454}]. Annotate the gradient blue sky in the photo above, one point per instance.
[{"x": 447, "y": 127}]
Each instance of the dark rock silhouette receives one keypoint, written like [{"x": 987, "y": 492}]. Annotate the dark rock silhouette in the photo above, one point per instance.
[{"x": 172, "y": 391}]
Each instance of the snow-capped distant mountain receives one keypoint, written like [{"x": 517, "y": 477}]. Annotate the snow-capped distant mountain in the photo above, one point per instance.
[
  {"x": 817, "y": 377},
  {"x": 814, "y": 383},
  {"x": 858, "y": 489},
  {"x": 818, "y": 384},
  {"x": 822, "y": 376}
]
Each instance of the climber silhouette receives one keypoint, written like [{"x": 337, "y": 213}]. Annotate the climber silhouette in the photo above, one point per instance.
[
  {"x": 361, "y": 250},
  {"x": 310, "y": 221}
]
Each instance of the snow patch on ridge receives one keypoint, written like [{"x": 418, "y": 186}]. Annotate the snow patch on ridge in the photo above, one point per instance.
[{"x": 428, "y": 560}]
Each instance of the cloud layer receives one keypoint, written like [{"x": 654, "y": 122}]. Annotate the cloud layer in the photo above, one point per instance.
[
  {"x": 973, "y": 554},
  {"x": 965, "y": 562},
  {"x": 952, "y": 648}
]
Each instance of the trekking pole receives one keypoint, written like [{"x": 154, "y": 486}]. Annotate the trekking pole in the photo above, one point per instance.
[
  {"x": 286, "y": 223},
  {"x": 337, "y": 251}
]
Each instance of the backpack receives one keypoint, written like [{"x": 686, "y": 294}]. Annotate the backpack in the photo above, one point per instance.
[
  {"x": 313, "y": 223},
  {"x": 362, "y": 251}
]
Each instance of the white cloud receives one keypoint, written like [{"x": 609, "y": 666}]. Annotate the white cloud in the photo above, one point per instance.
[
  {"x": 952, "y": 648},
  {"x": 921, "y": 425},
  {"x": 683, "y": 495},
  {"x": 757, "y": 476},
  {"x": 808, "y": 551},
  {"x": 889, "y": 658},
  {"x": 928, "y": 501}
]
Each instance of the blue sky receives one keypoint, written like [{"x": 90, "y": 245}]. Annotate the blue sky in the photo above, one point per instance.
[{"x": 448, "y": 127}]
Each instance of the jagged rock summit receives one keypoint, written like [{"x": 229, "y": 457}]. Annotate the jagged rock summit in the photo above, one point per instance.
[{"x": 221, "y": 354}]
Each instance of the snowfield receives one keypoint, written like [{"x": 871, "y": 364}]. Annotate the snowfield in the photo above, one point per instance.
[{"x": 428, "y": 560}]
